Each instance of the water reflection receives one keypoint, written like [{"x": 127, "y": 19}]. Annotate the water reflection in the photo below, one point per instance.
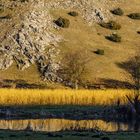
[{"x": 52, "y": 125}]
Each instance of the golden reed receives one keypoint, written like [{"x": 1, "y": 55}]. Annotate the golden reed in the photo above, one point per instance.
[{"x": 62, "y": 97}]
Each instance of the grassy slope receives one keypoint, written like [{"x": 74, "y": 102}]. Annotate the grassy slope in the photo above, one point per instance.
[{"x": 79, "y": 35}]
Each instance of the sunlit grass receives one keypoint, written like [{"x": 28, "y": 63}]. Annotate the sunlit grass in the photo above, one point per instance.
[{"x": 62, "y": 97}]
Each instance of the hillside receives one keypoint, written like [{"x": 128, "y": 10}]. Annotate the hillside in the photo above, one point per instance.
[{"x": 32, "y": 45}]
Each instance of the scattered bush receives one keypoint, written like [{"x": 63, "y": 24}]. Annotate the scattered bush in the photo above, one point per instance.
[
  {"x": 138, "y": 32},
  {"x": 111, "y": 25},
  {"x": 114, "y": 38},
  {"x": 62, "y": 22},
  {"x": 117, "y": 11},
  {"x": 134, "y": 15},
  {"x": 73, "y": 13},
  {"x": 100, "y": 52},
  {"x": 5, "y": 17},
  {"x": 22, "y": 0}
]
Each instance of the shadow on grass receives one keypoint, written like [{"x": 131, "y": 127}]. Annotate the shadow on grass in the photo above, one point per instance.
[
  {"x": 20, "y": 84},
  {"x": 111, "y": 83},
  {"x": 131, "y": 66}
]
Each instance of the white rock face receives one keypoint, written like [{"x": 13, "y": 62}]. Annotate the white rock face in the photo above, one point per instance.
[
  {"x": 28, "y": 43},
  {"x": 90, "y": 10}
]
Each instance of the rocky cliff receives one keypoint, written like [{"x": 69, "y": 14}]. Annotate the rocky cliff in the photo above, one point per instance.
[{"x": 26, "y": 40}]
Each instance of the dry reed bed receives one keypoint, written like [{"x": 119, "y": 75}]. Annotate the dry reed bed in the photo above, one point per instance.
[{"x": 62, "y": 97}]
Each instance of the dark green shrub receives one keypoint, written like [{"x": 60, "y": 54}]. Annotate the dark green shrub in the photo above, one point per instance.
[
  {"x": 22, "y": 0},
  {"x": 111, "y": 25},
  {"x": 138, "y": 32},
  {"x": 114, "y": 38},
  {"x": 62, "y": 22},
  {"x": 73, "y": 13},
  {"x": 5, "y": 17},
  {"x": 100, "y": 52},
  {"x": 117, "y": 11},
  {"x": 134, "y": 15}
]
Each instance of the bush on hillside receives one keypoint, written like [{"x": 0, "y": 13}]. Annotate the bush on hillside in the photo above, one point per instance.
[
  {"x": 138, "y": 32},
  {"x": 111, "y": 25},
  {"x": 73, "y": 13},
  {"x": 134, "y": 16},
  {"x": 99, "y": 52},
  {"x": 22, "y": 0},
  {"x": 5, "y": 17},
  {"x": 117, "y": 11},
  {"x": 114, "y": 38},
  {"x": 62, "y": 22}
]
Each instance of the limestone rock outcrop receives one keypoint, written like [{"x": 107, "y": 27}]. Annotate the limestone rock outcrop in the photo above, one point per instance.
[{"x": 32, "y": 40}]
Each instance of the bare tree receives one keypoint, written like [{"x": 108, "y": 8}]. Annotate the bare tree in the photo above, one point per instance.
[
  {"x": 132, "y": 67},
  {"x": 134, "y": 72},
  {"x": 74, "y": 68}
]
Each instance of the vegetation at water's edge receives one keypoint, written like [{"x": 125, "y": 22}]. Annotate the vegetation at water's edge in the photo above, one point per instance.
[{"x": 63, "y": 97}]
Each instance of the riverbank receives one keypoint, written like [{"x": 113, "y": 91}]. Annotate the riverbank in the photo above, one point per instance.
[
  {"x": 74, "y": 112},
  {"x": 68, "y": 135},
  {"x": 57, "y": 111}
]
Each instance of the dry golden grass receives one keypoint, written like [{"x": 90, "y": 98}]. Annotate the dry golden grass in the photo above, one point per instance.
[
  {"x": 90, "y": 38},
  {"x": 62, "y": 97}
]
